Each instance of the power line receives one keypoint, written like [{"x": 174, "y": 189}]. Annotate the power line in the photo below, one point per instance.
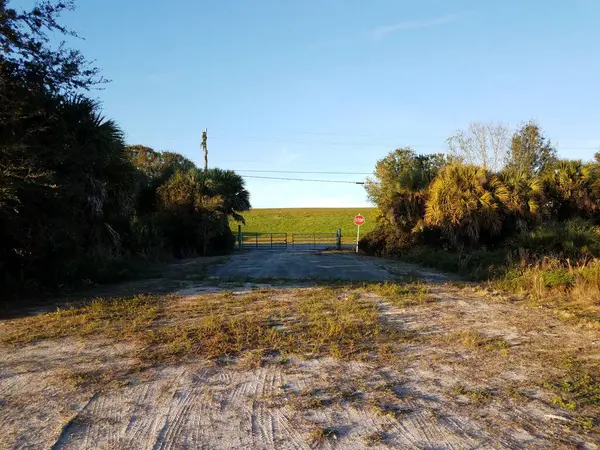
[
  {"x": 316, "y": 142},
  {"x": 305, "y": 179},
  {"x": 390, "y": 141},
  {"x": 302, "y": 171}
]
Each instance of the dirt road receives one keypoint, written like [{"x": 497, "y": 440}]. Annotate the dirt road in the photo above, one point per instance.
[
  {"x": 299, "y": 265},
  {"x": 458, "y": 368}
]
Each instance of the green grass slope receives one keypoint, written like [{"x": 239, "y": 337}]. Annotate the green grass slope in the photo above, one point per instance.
[{"x": 308, "y": 220}]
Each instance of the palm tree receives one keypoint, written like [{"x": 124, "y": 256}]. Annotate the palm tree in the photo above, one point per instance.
[
  {"x": 230, "y": 187},
  {"x": 526, "y": 199},
  {"x": 95, "y": 168},
  {"x": 574, "y": 188},
  {"x": 464, "y": 202}
]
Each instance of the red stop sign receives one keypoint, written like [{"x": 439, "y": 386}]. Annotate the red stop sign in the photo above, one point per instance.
[{"x": 359, "y": 220}]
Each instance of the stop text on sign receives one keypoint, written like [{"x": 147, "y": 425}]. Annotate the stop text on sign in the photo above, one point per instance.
[{"x": 359, "y": 220}]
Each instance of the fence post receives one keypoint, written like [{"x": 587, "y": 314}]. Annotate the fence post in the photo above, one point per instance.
[
  {"x": 338, "y": 242},
  {"x": 256, "y": 240},
  {"x": 271, "y": 240},
  {"x": 239, "y": 237}
]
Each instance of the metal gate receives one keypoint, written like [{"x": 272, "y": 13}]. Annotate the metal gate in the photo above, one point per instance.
[
  {"x": 314, "y": 241},
  {"x": 288, "y": 241},
  {"x": 262, "y": 240}
]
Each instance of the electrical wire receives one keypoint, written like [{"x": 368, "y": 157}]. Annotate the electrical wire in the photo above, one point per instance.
[
  {"x": 375, "y": 141},
  {"x": 305, "y": 179},
  {"x": 302, "y": 171}
]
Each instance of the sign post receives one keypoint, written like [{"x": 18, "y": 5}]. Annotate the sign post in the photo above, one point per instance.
[{"x": 359, "y": 219}]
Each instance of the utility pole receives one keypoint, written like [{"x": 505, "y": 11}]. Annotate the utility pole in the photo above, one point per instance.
[{"x": 205, "y": 149}]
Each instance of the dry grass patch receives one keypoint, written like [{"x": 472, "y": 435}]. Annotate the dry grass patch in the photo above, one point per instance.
[
  {"x": 402, "y": 295},
  {"x": 307, "y": 322},
  {"x": 320, "y": 435},
  {"x": 476, "y": 395},
  {"x": 261, "y": 327},
  {"x": 376, "y": 438},
  {"x": 120, "y": 318},
  {"x": 475, "y": 340},
  {"x": 578, "y": 390}
]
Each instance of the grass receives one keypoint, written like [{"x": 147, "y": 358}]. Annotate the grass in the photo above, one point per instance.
[
  {"x": 475, "y": 340},
  {"x": 476, "y": 395},
  {"x": 308, "y": 220},
  {"x": 401, "y": 295},
  {"x": 320, "y": 435},
  {"x": 376, "y": 438},
  {"x": 344, "y": 322},
  {"x": 572, "y": 289},
  {"x": 480, "y": 265},
  {"x": 116, "y": 317},
  {"x": 325, "y": 321},
  {"x": 579, "y": 391}
]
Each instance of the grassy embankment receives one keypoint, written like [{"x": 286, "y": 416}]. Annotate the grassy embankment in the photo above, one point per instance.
[{"x": 308, "y": 220}]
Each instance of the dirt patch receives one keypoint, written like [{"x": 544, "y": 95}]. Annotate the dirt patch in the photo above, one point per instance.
[{"x": 438, "y": 366}]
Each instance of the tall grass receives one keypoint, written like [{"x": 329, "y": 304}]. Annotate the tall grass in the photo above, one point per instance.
[{"x": 572, "y": 287}]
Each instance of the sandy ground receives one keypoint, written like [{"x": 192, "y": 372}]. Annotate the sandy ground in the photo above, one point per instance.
[{"x": 206, "y": 404}]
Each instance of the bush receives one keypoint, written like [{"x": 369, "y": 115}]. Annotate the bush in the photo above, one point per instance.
[
  {"x": 575, "y": 239},
  {"x": 386, "y": 241},
  {"x": 476, "y": 265},
  {"x": 557, "y": 277},
  {"x": 222, "y": 243}
]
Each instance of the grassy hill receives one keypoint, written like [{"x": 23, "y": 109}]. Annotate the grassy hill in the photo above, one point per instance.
[{"x": 308, "y": 220}]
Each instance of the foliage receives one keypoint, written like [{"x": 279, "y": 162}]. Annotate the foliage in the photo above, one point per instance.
[
  {"x": 399, "y": 188},
  {"x": 386, "y": 241},
  {"x": 574, "y": 239},
  {"x": 482, "y": 144},
  {"x": 525, "y": 200},
  {"x": 194, "y": 207},
  {"x": 76, "y": 204},
  {"x": 430, "y": 211},
  {"x": 574, "y": 189},
  {"x": 530, "y": 151},
  {"x": 28, "y": 54},
  {"x": 465, "y": 202}
]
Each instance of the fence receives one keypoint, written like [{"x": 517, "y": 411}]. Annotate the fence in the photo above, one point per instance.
[
  {"x": 288, "y": 241},
  {"x": 262, "y": 240}
]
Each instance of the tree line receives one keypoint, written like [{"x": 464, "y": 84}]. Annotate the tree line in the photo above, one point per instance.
[
  {"x": 76, "y": 203},
  {"x": 492, "y": 189}
]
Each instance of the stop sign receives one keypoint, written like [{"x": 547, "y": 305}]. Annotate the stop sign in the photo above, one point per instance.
[{"x": 359, "y": 220}]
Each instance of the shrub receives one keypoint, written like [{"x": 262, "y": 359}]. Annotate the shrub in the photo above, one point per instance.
[
  {"x": 557, "y": 277},
  {"x": 386, "y": 241},
  {"x": 465, "y": 203},
  {"x": 222, "y": 243},
  {"x": 575, "y": 239}
]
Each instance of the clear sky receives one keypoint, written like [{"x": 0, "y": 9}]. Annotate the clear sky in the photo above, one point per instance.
[{"x": 334, "y": 85}]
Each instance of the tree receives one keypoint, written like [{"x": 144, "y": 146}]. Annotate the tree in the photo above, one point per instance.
[
  {"x": 230, "y": 188},
  {"x": 483, "y": 143},
  {"x": 82, "y": 204},
  {"x": 158, "y": 165},
  {"x": 525, "y": 201},
  {"x": 29, "y": 57},
  {"x": 400, "y": 186},
  {"x": 530, "y": 151},
  {"x": 465, "y": 203},
  {"x": 574, "y": 189}
]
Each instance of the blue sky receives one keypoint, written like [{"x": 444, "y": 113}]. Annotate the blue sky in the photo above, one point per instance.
[{"x": 333, "y": 85}]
